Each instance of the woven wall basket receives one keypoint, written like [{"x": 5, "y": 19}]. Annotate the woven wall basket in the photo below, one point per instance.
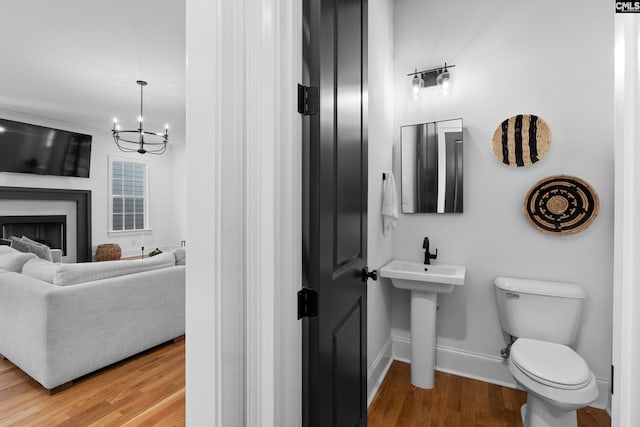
[
  {"x": 108, "y": 252},
  {"x": 521, "y": 140},
  {"x": 561, "y": 204}
]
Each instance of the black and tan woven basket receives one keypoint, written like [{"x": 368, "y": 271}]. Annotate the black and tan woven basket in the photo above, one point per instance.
[
  {"x": 561, "y": 204},
  {"x": 521, "y": 140}
]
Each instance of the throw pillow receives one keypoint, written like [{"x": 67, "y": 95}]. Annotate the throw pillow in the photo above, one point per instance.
[
  {"x": 38, "y": 248},
  {"x": 181, "y": 255},
  {"x": 28, "y": 245},
  {"x": 18, "y": 244}
]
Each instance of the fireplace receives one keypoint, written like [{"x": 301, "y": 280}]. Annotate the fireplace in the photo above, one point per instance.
[
  {"x": 80, "y": 198},
  {"x": 50, "y": 230}
]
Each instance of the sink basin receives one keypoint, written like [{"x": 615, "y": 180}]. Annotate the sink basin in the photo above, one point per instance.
[
  {"x": 416, "y": 276},
  {"x": 425, "y": 283}
]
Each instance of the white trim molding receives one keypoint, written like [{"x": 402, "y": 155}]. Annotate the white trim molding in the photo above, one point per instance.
[
  {"x": 626, "y": 271},
  {"x": 262, "y": 104},
  {"x": 204, "y": 297},
  {"x": 483, "y": 367},
  {"x": 378, "y": 370},
  {"x": 244, "y": 341},
  {"x": 273, "y": 215}
]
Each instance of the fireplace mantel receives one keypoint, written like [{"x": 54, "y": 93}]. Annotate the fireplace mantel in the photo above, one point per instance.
[{"x": 82, "y": 199}]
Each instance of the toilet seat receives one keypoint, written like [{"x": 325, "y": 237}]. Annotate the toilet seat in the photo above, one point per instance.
[{"x": 551, "y": 364}]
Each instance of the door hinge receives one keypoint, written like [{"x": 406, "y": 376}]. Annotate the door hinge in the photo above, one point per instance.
[
  {"x": 307, "y": 100},
  {"x": 307, "y": 303},
  {"x": 612, "y": 379}
]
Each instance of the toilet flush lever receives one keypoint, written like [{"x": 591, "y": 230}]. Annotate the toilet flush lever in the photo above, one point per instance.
[{"x": 512, "y": 295}]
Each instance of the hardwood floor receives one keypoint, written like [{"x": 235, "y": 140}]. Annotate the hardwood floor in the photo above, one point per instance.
[
  {"x": 147, "y": 389},
  {"x": 455, "y": 401}
]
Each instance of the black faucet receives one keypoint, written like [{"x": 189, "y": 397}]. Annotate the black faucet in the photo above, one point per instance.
[{"x": 428, "y": 256}]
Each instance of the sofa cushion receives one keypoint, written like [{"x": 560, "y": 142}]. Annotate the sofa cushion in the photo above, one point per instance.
[
  {"x": 8, "y": 250},
  {"x": 40, "y": 269},
  {"x": 24, "y": 244},
  {"x": 72, "y": 274},
  {"x": 13, "y": 261}
]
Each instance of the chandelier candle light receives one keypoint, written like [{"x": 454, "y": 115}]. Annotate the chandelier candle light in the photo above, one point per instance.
[{"x": 157, "y": 143}]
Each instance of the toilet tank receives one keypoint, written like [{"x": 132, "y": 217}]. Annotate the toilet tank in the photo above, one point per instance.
[{"x": 537, "y": 309}]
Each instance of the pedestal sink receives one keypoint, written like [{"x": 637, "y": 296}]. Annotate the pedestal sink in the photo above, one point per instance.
[{"x": 425, "y": 283}]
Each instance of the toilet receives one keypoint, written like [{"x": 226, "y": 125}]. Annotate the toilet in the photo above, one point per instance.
[{"x": 543, "y": 317}]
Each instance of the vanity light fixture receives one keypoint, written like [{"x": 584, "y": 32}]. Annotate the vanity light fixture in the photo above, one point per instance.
[
  {"x": 156, "y": 143},
  {"x": 439, "y": 76}
]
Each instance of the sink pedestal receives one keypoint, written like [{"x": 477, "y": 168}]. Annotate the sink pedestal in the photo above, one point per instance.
[
  {"x": 425, "y": 283},
  {"x": 423, "y": 338}
]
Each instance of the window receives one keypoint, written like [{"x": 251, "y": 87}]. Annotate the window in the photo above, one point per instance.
[{"x": 128, "y": 195}]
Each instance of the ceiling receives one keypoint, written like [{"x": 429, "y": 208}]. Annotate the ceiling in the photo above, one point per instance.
[{"x": 77, "y": 61}]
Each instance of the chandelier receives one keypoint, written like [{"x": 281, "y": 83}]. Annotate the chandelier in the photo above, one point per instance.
[{"x": 139, "y": 139}]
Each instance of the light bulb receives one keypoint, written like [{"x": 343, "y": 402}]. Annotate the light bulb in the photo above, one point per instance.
[
  {"x": 444, "y": 80},
  {"x": 140, "y": 119},
  {"x": 2, "y": 130},
  {"x": 416, "y": 87}
]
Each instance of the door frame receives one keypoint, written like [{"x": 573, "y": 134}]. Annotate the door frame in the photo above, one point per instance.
[
  {"x": 273, "y": 213},
  {"x": 626, "y": 299},
  {"x": 244, "y": 342}
]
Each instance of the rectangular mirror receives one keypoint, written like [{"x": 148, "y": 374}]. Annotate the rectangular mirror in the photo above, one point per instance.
[{"x": 431, "y": 167}]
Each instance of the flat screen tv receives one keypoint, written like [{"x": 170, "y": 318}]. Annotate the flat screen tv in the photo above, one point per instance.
[{"x": 27, "y": 148}]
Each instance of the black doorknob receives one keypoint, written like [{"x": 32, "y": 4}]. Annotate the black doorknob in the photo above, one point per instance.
[{"x": 369, "y": 275}]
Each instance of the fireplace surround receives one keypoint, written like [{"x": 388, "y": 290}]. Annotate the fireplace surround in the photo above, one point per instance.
[{"x": 82, "y": 199}]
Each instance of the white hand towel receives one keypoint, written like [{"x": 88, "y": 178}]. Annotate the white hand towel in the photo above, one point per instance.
[{"x": 389, "y": 203}]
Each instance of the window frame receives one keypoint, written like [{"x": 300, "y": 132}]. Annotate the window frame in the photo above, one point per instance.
[{"x": 147, "y": 223}]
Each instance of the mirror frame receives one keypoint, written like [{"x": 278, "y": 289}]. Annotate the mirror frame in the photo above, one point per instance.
[{"x": 459, "y": 199}]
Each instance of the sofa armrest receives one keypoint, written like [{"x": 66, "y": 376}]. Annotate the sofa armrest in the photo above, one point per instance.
[
  {"x": 23, "y": 321},
  {"x": 56, "y": 255}
]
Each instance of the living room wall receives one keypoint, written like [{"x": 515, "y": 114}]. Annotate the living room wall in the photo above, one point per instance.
[{"x": 166, "y": 187}]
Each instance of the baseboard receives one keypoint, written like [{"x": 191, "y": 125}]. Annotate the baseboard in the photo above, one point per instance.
[
  {"x": 401, "y": 348},
  {"x": 602, "y": 402},
  {"x": 378, "y": 370},
  {"x": 483, "y": 367}
]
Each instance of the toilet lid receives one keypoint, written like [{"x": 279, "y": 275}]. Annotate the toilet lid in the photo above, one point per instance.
[{"x": 555, "y": 365}]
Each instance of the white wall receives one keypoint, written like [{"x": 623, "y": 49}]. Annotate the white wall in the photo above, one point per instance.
[
  {"x": 166, "y": 182},
  {"x": 379, "y": 246},
  {"x": 510, "y": 59}
]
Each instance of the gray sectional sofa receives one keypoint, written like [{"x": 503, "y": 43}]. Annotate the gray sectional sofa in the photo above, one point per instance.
[{"x": 59, "y": 322}]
